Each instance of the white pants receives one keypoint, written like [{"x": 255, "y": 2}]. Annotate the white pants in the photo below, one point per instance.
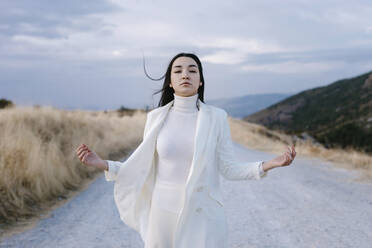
[{"x": 167, "y": 201}]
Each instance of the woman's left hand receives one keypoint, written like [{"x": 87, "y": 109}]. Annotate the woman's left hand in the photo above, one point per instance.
[{"x": 286, "y": 158}]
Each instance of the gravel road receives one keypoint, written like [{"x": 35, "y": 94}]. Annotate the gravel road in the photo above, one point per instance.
[{"x": 310, "y": 203}]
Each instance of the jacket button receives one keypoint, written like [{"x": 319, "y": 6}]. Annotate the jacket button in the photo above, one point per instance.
[
  {"x": 199, "y": 189},
  {"x": 198, "y": 210}
]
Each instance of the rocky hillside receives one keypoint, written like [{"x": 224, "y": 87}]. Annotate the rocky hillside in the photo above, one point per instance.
[{"x": 337, "y": 115}]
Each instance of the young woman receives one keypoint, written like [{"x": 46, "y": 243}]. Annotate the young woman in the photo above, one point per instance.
[{"x": 168, "y": 189}]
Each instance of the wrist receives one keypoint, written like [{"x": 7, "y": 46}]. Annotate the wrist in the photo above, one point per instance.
[
  {"x": 268, "y": 165},
  {"x": 104, "y": 165}
]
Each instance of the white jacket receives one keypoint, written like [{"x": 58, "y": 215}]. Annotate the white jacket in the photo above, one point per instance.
[{"x": 202, "y": 222}]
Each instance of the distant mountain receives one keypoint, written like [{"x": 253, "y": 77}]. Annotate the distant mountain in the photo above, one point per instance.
[
  {"x": 239, "y": 107},
  {"x": 337, "y": 115}
]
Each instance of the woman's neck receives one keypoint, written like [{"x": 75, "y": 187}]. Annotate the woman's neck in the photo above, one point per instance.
[{"x": 186, "y": 104}]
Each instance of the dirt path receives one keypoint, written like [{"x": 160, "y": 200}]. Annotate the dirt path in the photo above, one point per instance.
[{"x": 308, "y": 204}]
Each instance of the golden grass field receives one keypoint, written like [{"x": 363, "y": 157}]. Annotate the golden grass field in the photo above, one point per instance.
[
  {"x": 38, "y": 162},
  {"x": 258, "y": 137}
]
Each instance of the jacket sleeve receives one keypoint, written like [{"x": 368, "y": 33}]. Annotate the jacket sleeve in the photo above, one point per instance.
[
  {"x": 114, "y": 166},
  {"x": 228, "y": 167}
]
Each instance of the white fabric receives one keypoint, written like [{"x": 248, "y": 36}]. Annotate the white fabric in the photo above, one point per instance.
[
  {"x": 175, "y": 149},
  {"x": 175, "y": 141},
  {"x": 168, "y": 196},
  {"x": 202, "y": 222},
  {"x": 162, "y": 225}
]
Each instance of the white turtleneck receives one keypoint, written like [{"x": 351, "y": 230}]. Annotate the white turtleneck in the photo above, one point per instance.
[
  {"x": 175, "y": 142},
  {"x": 175, "y": 148}
]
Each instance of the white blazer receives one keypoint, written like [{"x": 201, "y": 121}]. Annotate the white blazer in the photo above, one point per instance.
[{"x": 202, "y": 222}]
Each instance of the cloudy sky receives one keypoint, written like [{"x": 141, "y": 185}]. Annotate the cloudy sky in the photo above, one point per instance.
[{"x": 88, "y": 54}]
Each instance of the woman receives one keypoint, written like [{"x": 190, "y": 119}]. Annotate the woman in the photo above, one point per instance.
[{"x": 168, "y": 189}]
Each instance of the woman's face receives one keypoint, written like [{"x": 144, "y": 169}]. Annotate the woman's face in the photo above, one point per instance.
[{"x": 185, "y": 77}]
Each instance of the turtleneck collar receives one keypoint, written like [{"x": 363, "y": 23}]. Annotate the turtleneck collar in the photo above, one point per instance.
[{"x": 186, "y": 104}]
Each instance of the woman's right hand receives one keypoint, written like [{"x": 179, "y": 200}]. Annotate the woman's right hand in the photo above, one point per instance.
[{"x": 90, "y": 158}]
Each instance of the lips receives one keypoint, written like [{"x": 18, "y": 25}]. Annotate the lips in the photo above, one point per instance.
[{"x": 186, "y": 83}]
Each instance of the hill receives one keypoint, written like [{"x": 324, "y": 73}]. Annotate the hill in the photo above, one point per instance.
[{"x": 337, "y": 115}]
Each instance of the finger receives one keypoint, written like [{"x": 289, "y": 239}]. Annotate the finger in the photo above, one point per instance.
[
  {"x": 289, "y": 159},
  {"x": 294, "y": 151},
  {"x": 290, "y": 152},
  {"x": 289, "y": 155},
  {"x": 78, "y": 149},
  {"x": 82, "y": 155},
  {"x": 285, "y": 158},
  {"x": 87, "y": 148},
  {"x": 83, "y": 150},
  {"x": 85, "y": 157},
  {"x": 82, "y": 159},
  {"x": 286, "y": 155},
  {"x": 82, "y": 146},
  {"x": 285, "y": 161}
]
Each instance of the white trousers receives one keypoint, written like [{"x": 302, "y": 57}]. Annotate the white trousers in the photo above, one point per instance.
[{"x": 167, "y": 201}]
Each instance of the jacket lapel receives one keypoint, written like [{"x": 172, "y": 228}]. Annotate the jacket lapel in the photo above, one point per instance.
[
  {"x": 200, "y": 144},
  {"x": 201, "y": 134},
  {"x": 158, "y": 122}
]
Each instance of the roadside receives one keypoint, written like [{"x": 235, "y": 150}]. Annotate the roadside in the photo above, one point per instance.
[{"x": 310, "y": 203}]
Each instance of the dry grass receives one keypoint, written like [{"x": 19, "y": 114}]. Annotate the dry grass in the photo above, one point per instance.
[
  {"x": 37, "y": 153},
  {"x": 258, "y": 137},
  {"x": 38, "y": 164}
]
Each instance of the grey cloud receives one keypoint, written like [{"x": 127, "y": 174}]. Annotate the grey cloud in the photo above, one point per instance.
[
  {"x": 349, "y": 55},
  {"x": 42, "y": 17},
  {"x": 58, "y": 72}
]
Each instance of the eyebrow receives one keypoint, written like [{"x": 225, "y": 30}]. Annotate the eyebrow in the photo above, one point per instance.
[{"x": 179, "y": 66}]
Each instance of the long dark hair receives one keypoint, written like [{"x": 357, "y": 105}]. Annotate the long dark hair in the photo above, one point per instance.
[{"x": 167, "y": 91}]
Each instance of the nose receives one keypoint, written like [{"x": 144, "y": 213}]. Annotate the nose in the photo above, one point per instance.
[{"x": 185, "y": 75}]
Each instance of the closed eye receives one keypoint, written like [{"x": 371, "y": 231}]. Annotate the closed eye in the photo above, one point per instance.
[{"x": 180, "y": 71}]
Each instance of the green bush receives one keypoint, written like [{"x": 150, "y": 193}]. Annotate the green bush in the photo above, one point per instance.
[{"x": 4, "y": 103}]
